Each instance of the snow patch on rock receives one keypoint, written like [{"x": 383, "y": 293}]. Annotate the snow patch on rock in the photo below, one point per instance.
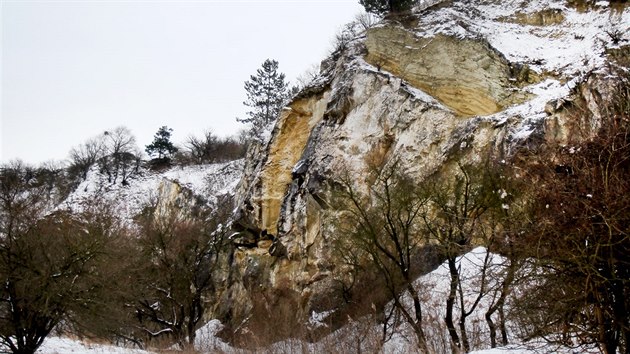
[{"x": 207, "y": 181}]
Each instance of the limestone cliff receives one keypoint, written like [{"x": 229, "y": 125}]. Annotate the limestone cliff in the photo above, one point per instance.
[
  {"x": 448, "y": 82},
  {"x": 177, "y": 188}
]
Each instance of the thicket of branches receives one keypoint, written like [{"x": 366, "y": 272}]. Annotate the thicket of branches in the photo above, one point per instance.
[
  {"x": 561, "y": 223},
  {"x": 403, "y": 228},
  {"x": 210, "y": 148},
  {"x": 180, "y": 260},
  {"x": 384, "y": 231},
  {"x": 117, "y": 155},
  {"x": 581, "y": 229},
  {"x": 115, "y": 152},
  {"x": 54, "y": 265},
  {"x": 88, "y": 273}
]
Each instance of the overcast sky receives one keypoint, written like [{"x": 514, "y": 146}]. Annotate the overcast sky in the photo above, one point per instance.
[{"x": 73, "y": 69}]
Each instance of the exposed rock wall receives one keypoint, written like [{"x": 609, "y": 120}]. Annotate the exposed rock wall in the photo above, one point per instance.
[
  {"x": 466, "y": 75},
  {"x": 428, "y": 99},
  {"x": 292, "y": 132}
]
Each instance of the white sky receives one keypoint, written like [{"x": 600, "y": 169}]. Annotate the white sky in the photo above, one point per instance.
[{"x": 73, "y": 69}]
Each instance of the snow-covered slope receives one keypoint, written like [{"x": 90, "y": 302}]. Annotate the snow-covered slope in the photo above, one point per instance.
[
  {"x": 548, "y": 35},
  {"x": 559, "y": 42},
  {"x": 177, "y": 186},
  {"x": 62, "y": 345},
  {"x": 205, "y": 181}
]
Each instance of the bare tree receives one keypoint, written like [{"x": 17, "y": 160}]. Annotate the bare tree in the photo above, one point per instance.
[
  {"x": 454, "y": 216},
  {"x": 505, "y": 276},
  {"x": 308, "y": 76},
  {"x": 581, "y": 229},
  {"x": 52, "y": 265},
  {"x": 383, "y": 229},
  {"x": 85, "y": 155},
  {"x": 180, "y": 255},
  {"x": 502, "y": 236},
  {"x": 212, "y": 149},
  {"x": 122, "y": 155},
  {"x": 366, "y": 20}
]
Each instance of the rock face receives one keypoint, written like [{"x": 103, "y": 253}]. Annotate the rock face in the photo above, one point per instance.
[
  {"x": 179, "y": 188},
  {"x": 450, "y": 83},
  {"x": 466, "y": 75}
]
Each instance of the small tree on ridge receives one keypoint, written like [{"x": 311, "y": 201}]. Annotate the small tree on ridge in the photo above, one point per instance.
[
  {"x": 162, "y": 145},
  {"x": 384, "y": 7}
]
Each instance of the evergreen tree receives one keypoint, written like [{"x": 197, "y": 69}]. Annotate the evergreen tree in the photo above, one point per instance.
[
  {"x": 162, "y": 145},
  {"x": 267, "y": 92},
  {"x": 384, "y": 7}
]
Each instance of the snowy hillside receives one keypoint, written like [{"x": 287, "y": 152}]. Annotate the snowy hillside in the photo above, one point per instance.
[
  {"x": 206, "y": 181},
  {"x": 550, "y": 36},
  {"x": 58, "y": 345}
]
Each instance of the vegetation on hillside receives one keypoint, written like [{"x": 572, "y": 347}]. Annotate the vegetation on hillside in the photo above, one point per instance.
[
  {"x": 384, "y": 7},
  {"x": 581, "y": 229},
  {"x": 560, "y": 219},
  {"x": 162, "y": 146}
]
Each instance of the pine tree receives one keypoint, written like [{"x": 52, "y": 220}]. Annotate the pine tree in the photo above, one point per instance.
[
  {"x": 267, "y": 92},
  {"x": 384, "y": 7},
  {"x": 162, "y": 145}
]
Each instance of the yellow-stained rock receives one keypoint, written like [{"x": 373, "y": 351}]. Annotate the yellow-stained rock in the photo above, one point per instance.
[
  {"x": 293, "y": 129},
  {"x": 465, "y": 75}
]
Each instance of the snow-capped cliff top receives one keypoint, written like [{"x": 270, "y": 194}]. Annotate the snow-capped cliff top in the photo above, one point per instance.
[
  {"x": 548, "y": 35},
  {"x": 207, "y": 181}
]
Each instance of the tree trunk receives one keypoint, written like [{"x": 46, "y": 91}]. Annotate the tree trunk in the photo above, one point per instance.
[
  {"x": 504, "y": 336},
  {"x": 493, "y": 329},
  {"x": 499, "y": 306},
  {"x": 464, "y": 335},
  {"x": 450, "y": 302},
  {"x": 422, "y": 339}
]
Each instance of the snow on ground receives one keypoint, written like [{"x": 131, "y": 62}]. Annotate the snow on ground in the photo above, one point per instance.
[
  {"x": 433, "y": 289},
  {"x": 60, "y": 345},
  {"x": 537, "y": 347},
  {"x": 206, "y": 340},
  {"x": 208, "y": 181}
]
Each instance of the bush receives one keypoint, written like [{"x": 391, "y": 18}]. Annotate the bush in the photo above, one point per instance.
[
  {"x": 581, "y": 228},
  {"x": 212, "y": 149},
  {"x": 54, "y": 267},
  {"x": 384, "y": 7}
]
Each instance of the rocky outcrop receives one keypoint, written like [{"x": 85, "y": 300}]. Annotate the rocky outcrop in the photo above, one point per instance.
[
  {"x": 458, "y": 80},
  {"x": 466, "y": 75},
  {"x": 284, "y": 152}
]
